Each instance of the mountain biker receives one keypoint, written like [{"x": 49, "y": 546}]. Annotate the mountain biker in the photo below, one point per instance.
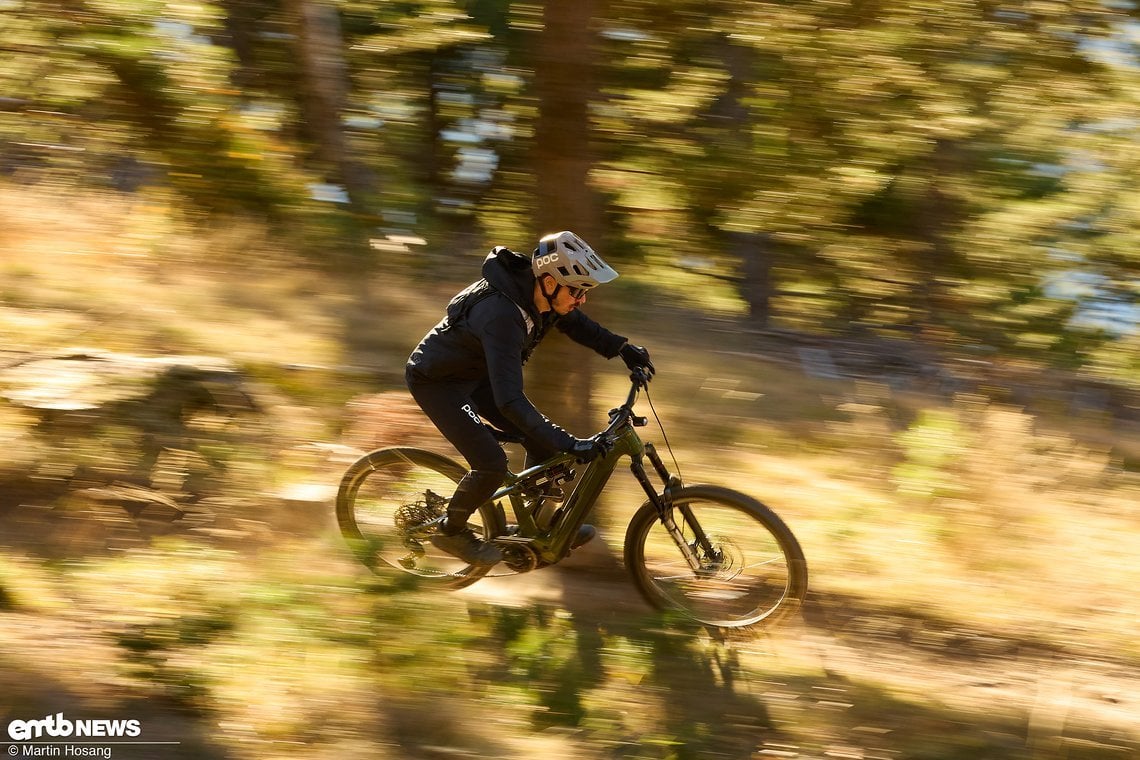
[{"x": 470, "y": 366}]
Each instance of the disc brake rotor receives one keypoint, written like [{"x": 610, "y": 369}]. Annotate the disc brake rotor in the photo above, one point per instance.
[{"x": 725, "y": 562}]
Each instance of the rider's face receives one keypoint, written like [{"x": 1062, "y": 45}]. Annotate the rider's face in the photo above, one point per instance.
[
  {"x": 569, "y": 299},
  {"x": 566, "y": 299}
]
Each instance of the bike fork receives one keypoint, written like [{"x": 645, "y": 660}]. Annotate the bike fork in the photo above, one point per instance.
[{"x": 662, "y": 502}]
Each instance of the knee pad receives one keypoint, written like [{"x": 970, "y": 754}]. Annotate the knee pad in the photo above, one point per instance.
[
  {"x": 494, "y": 459},
  {"x": 475, "y": 488},
  {"x": 482, "y": 482}
]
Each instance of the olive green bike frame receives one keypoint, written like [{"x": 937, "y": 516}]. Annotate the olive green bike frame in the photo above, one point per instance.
[{"x": 552, "y": 544}]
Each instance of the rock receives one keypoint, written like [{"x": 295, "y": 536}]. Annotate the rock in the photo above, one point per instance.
[
  {"x": 118, "y": 446},
  {"x": 92, "y": 380}
]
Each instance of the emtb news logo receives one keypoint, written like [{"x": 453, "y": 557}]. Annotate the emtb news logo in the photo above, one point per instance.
[{"x": 59, "y": 726}]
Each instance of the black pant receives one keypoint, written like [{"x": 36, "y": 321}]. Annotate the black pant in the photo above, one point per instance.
[{"x": 456, "y": 410}]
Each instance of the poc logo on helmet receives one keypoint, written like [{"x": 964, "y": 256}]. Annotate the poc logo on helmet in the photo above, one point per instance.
[{"x": 547, "y": 259}]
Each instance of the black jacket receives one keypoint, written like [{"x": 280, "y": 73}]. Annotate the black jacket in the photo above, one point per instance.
[{"x": 489, "y": 332}]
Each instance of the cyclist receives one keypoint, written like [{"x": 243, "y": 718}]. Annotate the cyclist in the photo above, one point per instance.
[{"x": 470, "y": 366}]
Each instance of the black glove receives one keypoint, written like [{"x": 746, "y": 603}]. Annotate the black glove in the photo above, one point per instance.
[
  {"x": 636, "y": 357},
  {"x": 587, "y": 449}
]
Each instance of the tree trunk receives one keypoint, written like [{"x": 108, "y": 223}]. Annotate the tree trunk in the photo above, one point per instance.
[
  {"x": 324, "y": 94},
  {"x": 753, "y": 250},
  {"x": 733, "y": 119},
  {"x": 430, "y": 163},
  {"x": 941, "y": 215},
  {"x": 564, "y": 87},
  {"x": 239, "y": 35}
]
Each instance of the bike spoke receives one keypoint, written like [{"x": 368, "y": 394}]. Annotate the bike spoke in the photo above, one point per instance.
[
  {"x": 690, "y": 575},
  {"x": 774, "y": 560}
]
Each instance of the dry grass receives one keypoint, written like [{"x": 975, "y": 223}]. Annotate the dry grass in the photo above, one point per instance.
[
  {"x": 972, "y": 512},
  {"x": 955, "y": 521},
  {"x": 131, "y": 275}
]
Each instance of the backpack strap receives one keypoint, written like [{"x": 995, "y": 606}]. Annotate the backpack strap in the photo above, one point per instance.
[
  {"x": 526, "y": 318},
  {"x": 465, "y": 300},
  {"x": 460, "y": 305}
]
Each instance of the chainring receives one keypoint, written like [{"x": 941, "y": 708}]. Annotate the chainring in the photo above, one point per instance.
[{"x": 518, "y": 556}]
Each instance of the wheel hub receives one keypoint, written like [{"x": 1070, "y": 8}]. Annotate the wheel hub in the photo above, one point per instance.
[
  {"x": 724, "y": 562},
  {"x": 416, "y": 521},
  {"x": 416, "y": 518}
]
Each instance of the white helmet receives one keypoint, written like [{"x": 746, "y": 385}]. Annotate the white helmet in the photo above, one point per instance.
[{"x": 570, "y": 261}]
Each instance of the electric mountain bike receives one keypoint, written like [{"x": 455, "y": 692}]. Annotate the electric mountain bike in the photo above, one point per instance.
[{"x": 717, "y": 555}]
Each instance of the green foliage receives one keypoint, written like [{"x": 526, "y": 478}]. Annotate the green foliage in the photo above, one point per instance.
[
  {"x": 544, "y": 663},
  {"x": 896, "y": 154},
  {"x": 978, "y": 469},
  {"x": 931, "y": 447},
  {"x": 953, "y": 171}
]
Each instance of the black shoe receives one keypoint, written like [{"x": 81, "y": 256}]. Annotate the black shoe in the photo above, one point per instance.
[
  {"x": 467, "y": 547},
  {"x": 585, "y": 535}
]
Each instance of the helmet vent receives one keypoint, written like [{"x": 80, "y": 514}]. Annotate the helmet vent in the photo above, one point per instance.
[{"x": 570, "y": 260}]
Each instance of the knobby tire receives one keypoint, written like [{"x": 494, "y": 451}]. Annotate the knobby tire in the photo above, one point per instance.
[
  {"x": 378, "y": 506},
  {"x": 754, "y": 574}
]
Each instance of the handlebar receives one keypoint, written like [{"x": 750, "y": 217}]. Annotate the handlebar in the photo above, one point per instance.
[{"x": 639, "y": 378}]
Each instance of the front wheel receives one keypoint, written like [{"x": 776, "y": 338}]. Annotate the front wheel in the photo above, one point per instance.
[
  {"x": 730, "y": 562},
  {"x": 391, "y": 502}
]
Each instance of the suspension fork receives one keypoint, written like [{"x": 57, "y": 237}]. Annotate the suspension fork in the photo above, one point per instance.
[
  {"x": 671, "y": 482},
  {"x": 663, "y": 502}
]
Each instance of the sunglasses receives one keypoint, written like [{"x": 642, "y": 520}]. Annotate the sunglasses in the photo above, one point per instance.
[{"x": 578, "y": 293}]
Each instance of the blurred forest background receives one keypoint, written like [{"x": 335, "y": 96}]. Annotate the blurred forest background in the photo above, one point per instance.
[{"x": 885, "y": 254}]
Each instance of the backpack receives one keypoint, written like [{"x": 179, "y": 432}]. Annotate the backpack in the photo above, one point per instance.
[{"x": 460, "y": 306}]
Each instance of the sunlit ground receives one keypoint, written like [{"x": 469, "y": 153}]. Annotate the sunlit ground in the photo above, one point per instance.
[{"x": 972, "y": 561}]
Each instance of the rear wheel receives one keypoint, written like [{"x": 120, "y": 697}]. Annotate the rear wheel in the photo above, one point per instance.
[
  {"x": 744, "y": 565},
  {"x": 391, "y": 502}
]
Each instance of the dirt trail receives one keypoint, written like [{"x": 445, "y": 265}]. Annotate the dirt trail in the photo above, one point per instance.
[
  {"x": 858, "y": 676},
  {"x": 1072, "y": 702},
  {"x": 1071, "y": 705}
]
